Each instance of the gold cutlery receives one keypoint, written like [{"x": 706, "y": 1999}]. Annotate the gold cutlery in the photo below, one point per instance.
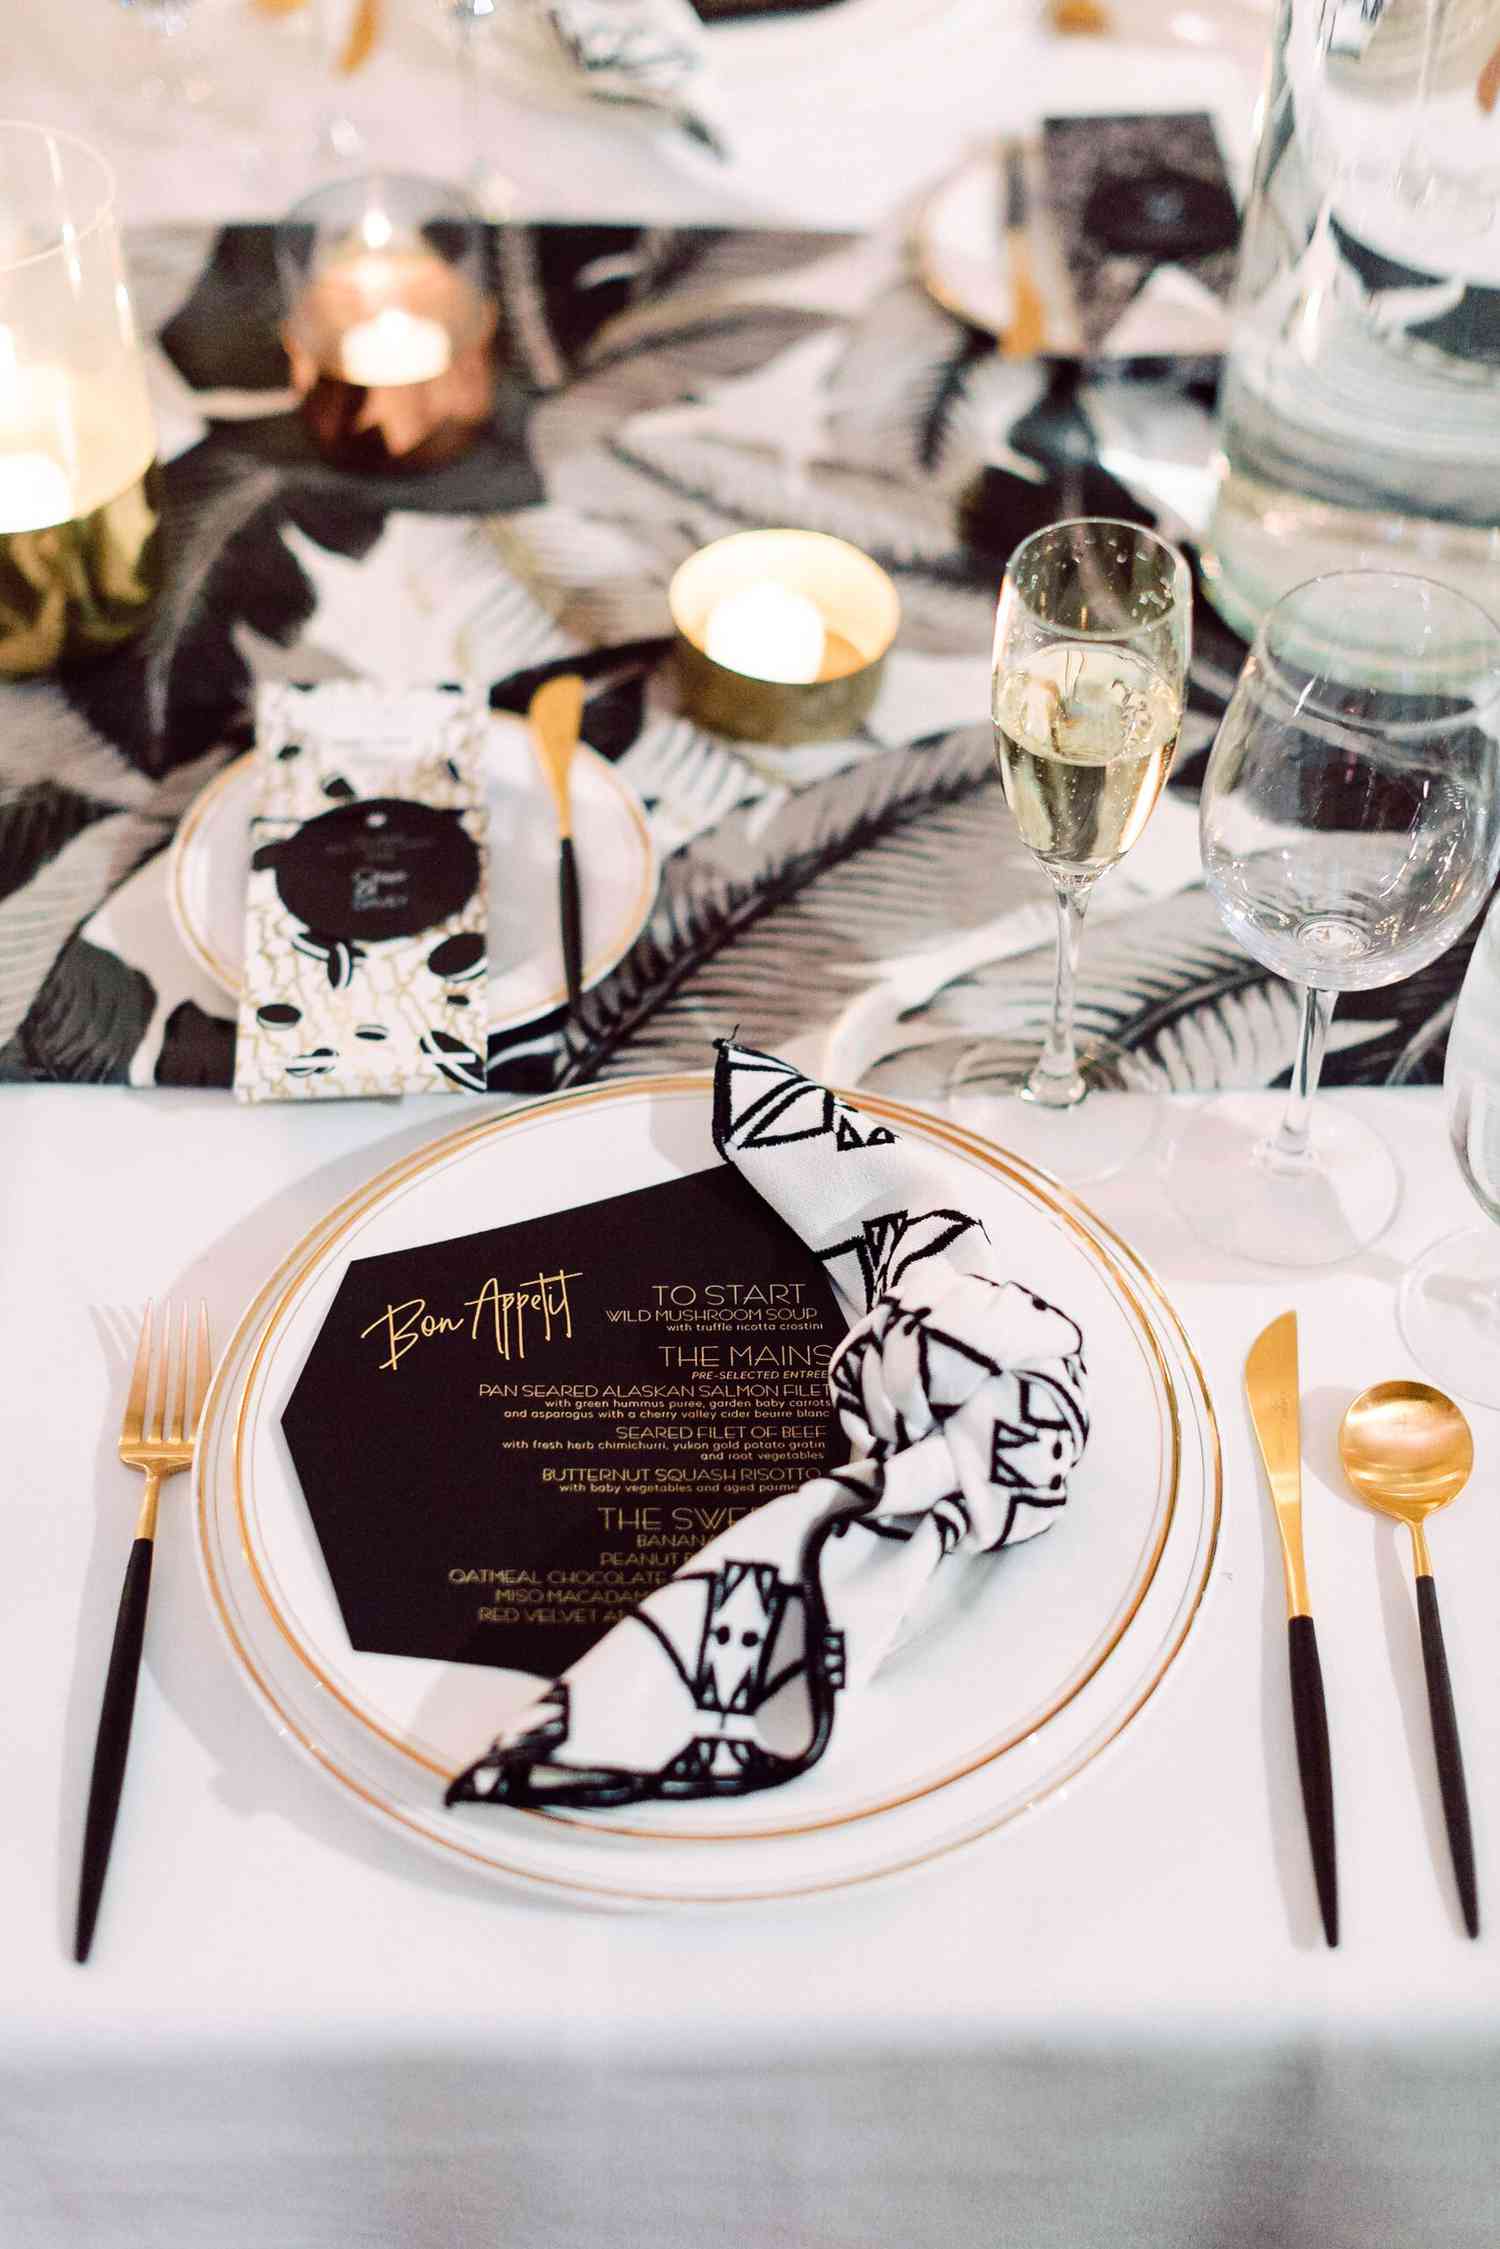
[
  {"x": 1022, "y": 335},
  {"x": 556, "y": 713},
  {"x": 167, "y": 1387},
  {"x": 1407, "y": 1451},
  {"x": 1272, "y": 1389}
]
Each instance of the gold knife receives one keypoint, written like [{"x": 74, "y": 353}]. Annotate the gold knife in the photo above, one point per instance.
[
  {"x": 556, "y": 713},
  {"x": 1272, "y": 1389},
  {"x": 1023, "y": 333}
]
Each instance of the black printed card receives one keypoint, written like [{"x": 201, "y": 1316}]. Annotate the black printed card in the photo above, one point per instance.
[
  {"x": 507, "y": 1440},
  {"x": 1128, "y": 195}
]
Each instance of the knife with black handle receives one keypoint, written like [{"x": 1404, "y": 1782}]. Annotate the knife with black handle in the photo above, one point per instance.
[
  {"x": 1271, "y": 1387},
  {"x": 556, "y": 713}
]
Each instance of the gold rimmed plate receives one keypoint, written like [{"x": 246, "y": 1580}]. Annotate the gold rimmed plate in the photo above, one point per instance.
[
  {"x": 209, "y": 866},
  {"x": 1026, "y": 1664}
]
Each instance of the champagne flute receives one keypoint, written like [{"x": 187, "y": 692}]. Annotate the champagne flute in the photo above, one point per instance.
[
  {"x": 1350, "y": 822},
  {"x": 1450, "y": 1299},
  {"x": 1092, "y": 638}
]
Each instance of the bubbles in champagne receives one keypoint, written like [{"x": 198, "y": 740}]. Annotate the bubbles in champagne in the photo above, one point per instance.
[{"x": 1085, "y": 737}]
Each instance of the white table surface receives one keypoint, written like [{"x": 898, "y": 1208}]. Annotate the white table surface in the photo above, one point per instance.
[
  {"x": 1161, "y": 1908},
  {"x": 836, "y": 119}
]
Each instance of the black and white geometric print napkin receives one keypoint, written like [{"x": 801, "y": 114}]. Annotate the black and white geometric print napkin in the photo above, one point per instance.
[
  {"x": 963, "y": 1396},
  {"x": 648, "y": 54}
]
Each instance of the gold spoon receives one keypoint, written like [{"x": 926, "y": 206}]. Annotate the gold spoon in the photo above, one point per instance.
[{"x": 1407, "y": 1451}]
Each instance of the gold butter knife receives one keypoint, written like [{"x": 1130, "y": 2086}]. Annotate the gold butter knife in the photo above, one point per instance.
[
  {"x": 1024, "y": 331},
  {"x": 556, "y": 714},
  {"x": 1272, "y": 1389}
]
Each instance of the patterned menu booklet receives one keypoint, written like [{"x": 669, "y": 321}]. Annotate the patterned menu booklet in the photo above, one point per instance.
[{"x": 366, "y": 911}]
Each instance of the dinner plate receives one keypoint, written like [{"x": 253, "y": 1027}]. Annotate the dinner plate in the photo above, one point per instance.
[
  {"x": 210, "y": 866},
  {"x": 1023, "y": 1667},
  {"x": 960, "y": 243}
]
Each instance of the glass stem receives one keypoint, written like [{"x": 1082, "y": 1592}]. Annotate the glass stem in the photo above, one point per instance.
[
  {"x": 1292, "y": 1145},
  {"x": 492, "y": 194},
  {"x": 466, "y": 57},
  {"x": 340, "y": 140},
  {"x": 1056, "y": 1081}
]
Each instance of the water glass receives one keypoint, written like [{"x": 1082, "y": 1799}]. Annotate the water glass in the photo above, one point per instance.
[
  {"x": 1350, "y": 825},
  {"x": 1450, "y": 1299}
]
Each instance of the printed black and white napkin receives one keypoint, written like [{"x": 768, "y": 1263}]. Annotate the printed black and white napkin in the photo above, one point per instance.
[
  {"x": 963, "y": 1395},
  {"x": 647, "y": 54}
]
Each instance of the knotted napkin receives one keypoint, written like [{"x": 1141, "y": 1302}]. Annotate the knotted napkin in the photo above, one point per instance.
[
  {"x": 647, "y": 54},
  {"x": 962, "y": 1394}
]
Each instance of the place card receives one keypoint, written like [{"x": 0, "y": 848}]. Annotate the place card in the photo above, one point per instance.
[
  {"x": 1126, "y": 197},
  {"x": 506, "y": 1441},
  {"x": 366, "y": 918}
]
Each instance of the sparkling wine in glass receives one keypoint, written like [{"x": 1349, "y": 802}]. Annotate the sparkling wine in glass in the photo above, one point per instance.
[
  {"x": 1085, "y": 739},
  {"x": 1450, "y": 1299},
  {"x": 1092, "y": 637},
  {"x": 1350, "y": 823}
]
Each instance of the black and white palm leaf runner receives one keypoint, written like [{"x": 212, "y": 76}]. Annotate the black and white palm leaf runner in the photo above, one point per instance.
[
  {"x": 862, "y": 905},
  {"x": 962, "y": 1395}
]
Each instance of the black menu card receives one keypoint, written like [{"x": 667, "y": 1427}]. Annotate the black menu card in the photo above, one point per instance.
[{"x": 505, "y": 1441}]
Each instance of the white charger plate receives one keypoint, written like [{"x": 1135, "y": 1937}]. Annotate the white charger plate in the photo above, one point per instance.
[
  {"x": 209, "y": 867},
  {"x": 1026, "y": 1666}
]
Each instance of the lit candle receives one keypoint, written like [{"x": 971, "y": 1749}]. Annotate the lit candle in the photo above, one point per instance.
[
  {"x": 376, "y": 231},
  {"x": 34, "y": 492},
  {"x": 395, "y": 346},
  {"x": 767, "y": 631}
]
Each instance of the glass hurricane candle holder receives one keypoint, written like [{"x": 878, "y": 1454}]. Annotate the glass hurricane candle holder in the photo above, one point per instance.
[
  {"x": 79, "y": 490},
  {"x": 781, "y": 636},
  {"x": 388, "y": 324}
]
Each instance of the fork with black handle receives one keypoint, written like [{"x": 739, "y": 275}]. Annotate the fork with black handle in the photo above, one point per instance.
[{"x": 167, "y": 1387}]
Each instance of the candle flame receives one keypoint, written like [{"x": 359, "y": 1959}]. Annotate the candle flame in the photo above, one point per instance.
[
  {"x": 394, "y": 347},
  {"x": 375, "y": 229},
  {"x": 767, "y": 631}
]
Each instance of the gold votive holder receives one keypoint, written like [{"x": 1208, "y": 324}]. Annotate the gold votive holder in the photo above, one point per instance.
[
  {"x": 388, "y": 325},
  {"x": 751, "y": 598}
]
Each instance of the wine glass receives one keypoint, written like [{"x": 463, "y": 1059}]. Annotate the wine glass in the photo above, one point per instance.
[
  {"x": 1092, "y": 638},
  {"x": 345, "y": 36},
  {"x": 1350, "y": 822},
  {"x": 1450, "y": 1299},
  {"x": 173, "y": 79}
]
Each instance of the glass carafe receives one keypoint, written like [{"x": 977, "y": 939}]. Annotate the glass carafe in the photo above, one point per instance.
[{"x": 1360, "y": 407}]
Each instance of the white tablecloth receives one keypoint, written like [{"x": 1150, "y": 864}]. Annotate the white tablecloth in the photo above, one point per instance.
[
  {"x": 1114, "y": 2020},
  {"x": 835, "y": 118}
]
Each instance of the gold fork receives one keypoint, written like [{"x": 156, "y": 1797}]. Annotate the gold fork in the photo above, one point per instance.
[{"x": 167, "y": 1389}]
